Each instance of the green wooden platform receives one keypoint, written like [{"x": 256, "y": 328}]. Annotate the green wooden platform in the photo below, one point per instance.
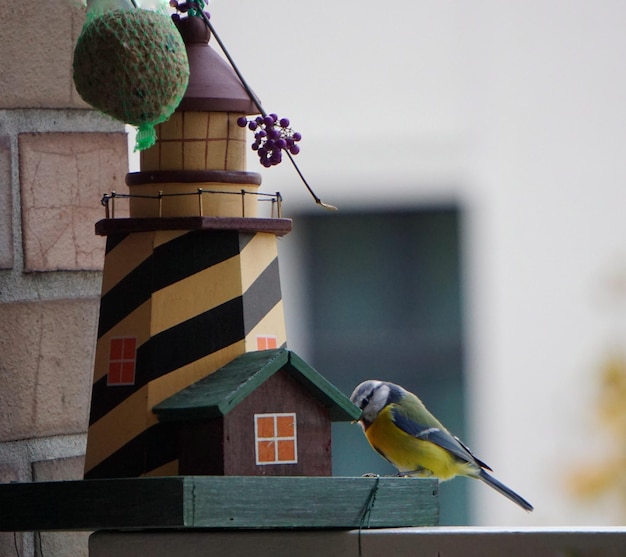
[{"x": 187, "y": 502}]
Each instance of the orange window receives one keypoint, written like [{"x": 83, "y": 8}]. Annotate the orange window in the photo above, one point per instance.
[
  {"x": 266, "y": 342},
  {"x": 266, "y": 426},
  {"x": 266, "y": 452},
  {"x": 275, "y": 438},
  {"x": 122, "y": 357},
  {"x": 286, "y": 451}
]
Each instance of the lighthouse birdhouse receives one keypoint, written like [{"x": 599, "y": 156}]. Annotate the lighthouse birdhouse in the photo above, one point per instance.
[
  {"x": 201, "y": 416},
  {"x": 192, "y": 374}
]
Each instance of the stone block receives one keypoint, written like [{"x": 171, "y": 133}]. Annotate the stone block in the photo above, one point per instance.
[
  {"x": 10, "y": 541},
  {"x": 62, "y": 179},
  {"x": 6, "y": 205},
  {"x": 37, "y": 50},
  {"x": 59, "y": 469},
  {"x": 8, "y": 473},
  {"x": 61, "y": 544},
  {"x": 46, "y": 367}
]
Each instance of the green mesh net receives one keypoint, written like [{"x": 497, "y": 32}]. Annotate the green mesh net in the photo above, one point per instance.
[{"x": 132, "y": 65}]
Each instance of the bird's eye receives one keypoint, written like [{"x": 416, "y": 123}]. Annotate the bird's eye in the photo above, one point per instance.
[{"x": 366, "y": 401}]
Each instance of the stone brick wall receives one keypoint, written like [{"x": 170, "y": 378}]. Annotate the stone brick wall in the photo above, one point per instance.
[{"x": 57, "y": 158}]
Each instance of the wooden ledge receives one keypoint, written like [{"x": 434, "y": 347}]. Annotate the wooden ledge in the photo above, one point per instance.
[
  {"x": 184, "y": 502},
  {"x": 402, "y": 542}
]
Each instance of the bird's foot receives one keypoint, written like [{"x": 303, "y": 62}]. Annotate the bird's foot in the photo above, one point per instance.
[{"x": 420, "y": 472}]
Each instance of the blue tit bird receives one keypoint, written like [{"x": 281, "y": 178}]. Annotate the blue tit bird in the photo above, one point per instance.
[{"x": 400, "y": 428}]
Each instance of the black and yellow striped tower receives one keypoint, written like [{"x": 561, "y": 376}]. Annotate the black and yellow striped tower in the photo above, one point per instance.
[{"x": 190, "y": 280}]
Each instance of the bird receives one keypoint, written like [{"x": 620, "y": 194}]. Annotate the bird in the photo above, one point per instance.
[{"x": 400, "y": 428}]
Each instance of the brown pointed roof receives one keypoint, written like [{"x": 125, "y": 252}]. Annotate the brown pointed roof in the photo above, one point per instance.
[{"x": 213, "y": 84}]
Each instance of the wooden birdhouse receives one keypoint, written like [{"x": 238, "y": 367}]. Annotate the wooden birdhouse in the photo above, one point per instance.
[
  {"x": 265, "y": 413},
  {"x": 193, "y": 383},
  {"x": 191, "y": 283}
]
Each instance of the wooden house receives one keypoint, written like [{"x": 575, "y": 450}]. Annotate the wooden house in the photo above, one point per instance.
[{"x": 266, "y": 413}]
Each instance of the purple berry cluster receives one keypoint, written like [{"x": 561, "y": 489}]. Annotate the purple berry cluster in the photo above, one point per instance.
[
  {"x": 271, "y": 136},
  {"x": 194, "y": 7}
]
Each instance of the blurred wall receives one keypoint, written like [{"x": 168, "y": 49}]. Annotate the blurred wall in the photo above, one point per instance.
[
  {"x": 57, "y": 158},
  {"x": 515, "y": 111}
]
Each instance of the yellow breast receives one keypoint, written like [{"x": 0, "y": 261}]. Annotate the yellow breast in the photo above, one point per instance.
[{"x": 409, "y": 454}]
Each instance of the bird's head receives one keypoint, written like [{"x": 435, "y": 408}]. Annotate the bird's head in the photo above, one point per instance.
[{"x": 372, "y": 396}]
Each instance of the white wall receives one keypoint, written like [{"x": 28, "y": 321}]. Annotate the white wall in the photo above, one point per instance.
[{"x": 517, "y": 110}]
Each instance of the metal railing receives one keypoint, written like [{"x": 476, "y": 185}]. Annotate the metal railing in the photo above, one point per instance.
[{"x": 108, "y": 200}]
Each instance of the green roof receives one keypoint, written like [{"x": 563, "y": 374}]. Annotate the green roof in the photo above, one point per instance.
[{"x": 218, "y": 393}]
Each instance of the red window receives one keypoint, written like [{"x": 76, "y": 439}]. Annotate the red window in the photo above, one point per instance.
[
  {"x": 122, "y": 357},
  {"x": 275, "y": 438},
  {"x": 266, "y": 342}
]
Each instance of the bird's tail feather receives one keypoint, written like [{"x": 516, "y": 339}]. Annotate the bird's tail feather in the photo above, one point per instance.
[{"x": 504, "y": 490}]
